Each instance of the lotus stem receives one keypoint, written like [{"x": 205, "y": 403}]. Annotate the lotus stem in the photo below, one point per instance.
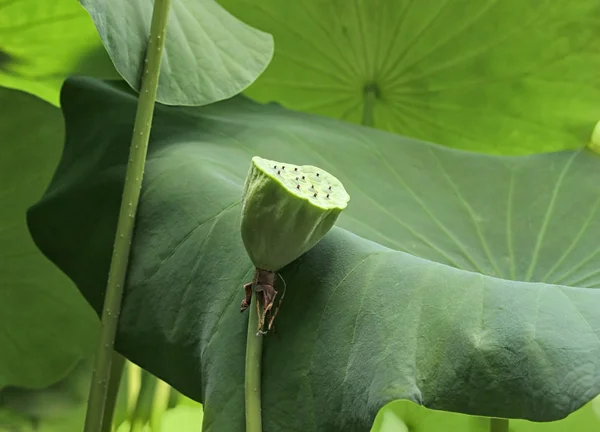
[
  {"x": 122, "y": 245},
  {"x": 253, "y": 367},
  {"x": 114, "y": 383}
]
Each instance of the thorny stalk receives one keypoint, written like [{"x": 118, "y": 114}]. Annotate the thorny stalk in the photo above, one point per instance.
[
  {"x": 122, "y": 245},
  {"x": 253, "y": 366}
]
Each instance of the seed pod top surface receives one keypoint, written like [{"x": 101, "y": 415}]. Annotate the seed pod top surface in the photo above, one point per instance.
[{"x": 287, "y": 209}]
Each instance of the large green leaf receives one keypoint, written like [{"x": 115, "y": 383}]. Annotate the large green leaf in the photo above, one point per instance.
[
  {"x": 460, "y": 281},
  {"x": 46, "y": 325},
  {"x": 43, "y": 42},
  {"x": 509, "y": 76},
  {"x": 209, "y": 55}
]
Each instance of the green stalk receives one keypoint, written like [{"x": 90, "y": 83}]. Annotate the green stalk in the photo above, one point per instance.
[
  {"x": 253, "y": 369},
  {"x": 160, "y": 404},
  {"x": 143, "y": 406},
  {"x": 498, "y": 425},
  {"x": 114, "y": 383},
  {"x": 129, "y": 204},
  {"x": 134, "y": 385}
]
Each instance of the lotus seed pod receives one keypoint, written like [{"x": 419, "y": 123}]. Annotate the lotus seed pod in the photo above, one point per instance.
[{"x": 286, "y": 210}]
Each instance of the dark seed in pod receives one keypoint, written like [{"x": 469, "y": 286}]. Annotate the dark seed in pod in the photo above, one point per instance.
[
  {"x": 283, "y": 167},
  {"x": 315, "y": 195},
  {"x": 295, "y": 169},
  {"x": 303, "y": 177},
  {"x": 298, "y": 187},
  {"x": 296, "y": 178},
  {"x": 329, "y": 187},
  {"x": 278, "y": 172},
  {"x": 327, "y": 195},
  {"x": 317, "y": 174},
  {"x": 275, "y": 167}
]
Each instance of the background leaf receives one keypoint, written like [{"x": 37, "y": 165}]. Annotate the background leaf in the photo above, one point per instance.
[
  {"x": 59, "y": 407},
  {"x": 506, "y": 76},
  {"x": 43, "y": 42},
  {"x": 421, "y": 419},
  {"x": 182, "y": 418},
  {"x": 419, "y": 294},
  {"x": 209, "y": 55},
  {"x": 46, "y": 325},
  {"x": 415, "y": 418}
]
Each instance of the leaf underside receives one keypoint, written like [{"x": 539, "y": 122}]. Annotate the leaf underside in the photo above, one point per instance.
[
  {"x": 33, "y": 57},
  {"x": 208, "y": 56},
  {"x": 460, "y": 281},
  {"x": 509, "y": 77}
]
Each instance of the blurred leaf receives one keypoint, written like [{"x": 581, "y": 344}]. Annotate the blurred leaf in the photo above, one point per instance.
[
  {"x": 582, "y": 420},
  {"x": 46, "y": 324},
  {"x": 59, "y": 407},
  {"x": 183, "y": 418},
  {"x": 126, "y": 427},
  {"x": 14, "y": 422},
  {"x": 460, "y": 281},
  {"x": 144, "y": 402},
  {"x": 595, "y": 405},
  {"x": 189, "y": 402},
  {"x": 209, "y": 55},
  {"x": 415, "y": 418},
  {"x": 506, "y": 76},
  {"x": 43, "y": 42},
  {"x": 421, "y": 419},
  {"x": 160, "y": 404}
]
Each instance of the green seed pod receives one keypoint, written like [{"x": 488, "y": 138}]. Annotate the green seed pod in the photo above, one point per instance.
[{"x": 286, "y": 210}]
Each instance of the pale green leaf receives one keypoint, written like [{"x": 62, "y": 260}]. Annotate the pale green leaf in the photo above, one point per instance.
[
  {"x": 509, "y": 76},
  {"x": 209, "y": 55},
  {"x": 43, "y": 42}
]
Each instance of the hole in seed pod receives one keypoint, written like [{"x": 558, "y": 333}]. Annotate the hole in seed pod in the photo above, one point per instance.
[{"x": 278, "y": 172}]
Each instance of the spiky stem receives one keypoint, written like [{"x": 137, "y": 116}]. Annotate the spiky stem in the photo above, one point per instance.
[
  {"x": 498, "y": 425},
  {"x": 114, "y": 382},
  {"x": 129, "y": 203},
  {"x": 253, "y": 368}
]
